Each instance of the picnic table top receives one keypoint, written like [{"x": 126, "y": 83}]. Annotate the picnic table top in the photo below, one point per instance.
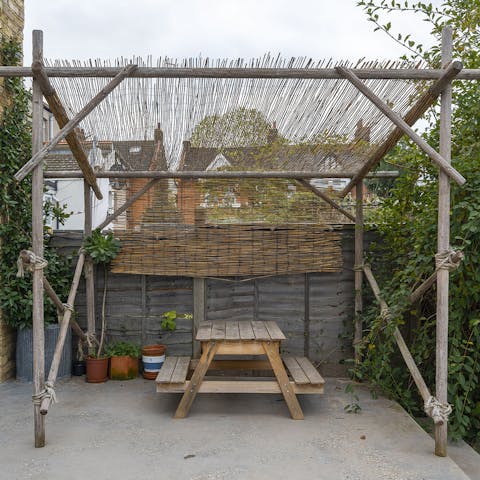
[{"x": 239, "y": 331}]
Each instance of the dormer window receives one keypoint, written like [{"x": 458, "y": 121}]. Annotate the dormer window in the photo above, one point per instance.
[
  {"x": 330, "y": 162},
  {"x": 218, "y": 162}
]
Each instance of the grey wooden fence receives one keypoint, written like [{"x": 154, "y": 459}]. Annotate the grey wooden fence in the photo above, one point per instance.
[{"x": 314, "y": 310}]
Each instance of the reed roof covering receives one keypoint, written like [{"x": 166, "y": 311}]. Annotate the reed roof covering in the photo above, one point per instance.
[{"x": 331, "y": 124}]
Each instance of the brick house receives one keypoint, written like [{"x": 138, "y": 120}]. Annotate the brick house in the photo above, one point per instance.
[
  {"x": 107, "y": 155},
  {"x": 275, "y": 156}
]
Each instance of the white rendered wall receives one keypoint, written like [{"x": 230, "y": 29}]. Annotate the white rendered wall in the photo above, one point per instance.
[{"x": 70, "y": 192}]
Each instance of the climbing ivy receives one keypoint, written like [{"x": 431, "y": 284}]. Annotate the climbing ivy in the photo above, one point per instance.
[
  {"x": 407, "y": 224},
  {"x": 15, "y": 204}
]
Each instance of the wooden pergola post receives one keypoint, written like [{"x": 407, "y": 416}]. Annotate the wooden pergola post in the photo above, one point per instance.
[
  {"x": 37, "y": 248},
  {"x": 89, "y": 277},
  {"x": 199, "y": 311},
  {"x": 358, "y": 262},
  {"x": 443, "y": 245}
]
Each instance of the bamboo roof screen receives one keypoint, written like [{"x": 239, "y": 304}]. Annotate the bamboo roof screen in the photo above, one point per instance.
[
  {"x": 333, "y": 125},
  {"x": 232, "y": 227}
]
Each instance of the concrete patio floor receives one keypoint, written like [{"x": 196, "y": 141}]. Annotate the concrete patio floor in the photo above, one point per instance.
[{"x": 124, "y": 430}]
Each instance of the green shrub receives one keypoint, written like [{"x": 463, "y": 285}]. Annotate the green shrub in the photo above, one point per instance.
[{"x": 121, "y": 348}]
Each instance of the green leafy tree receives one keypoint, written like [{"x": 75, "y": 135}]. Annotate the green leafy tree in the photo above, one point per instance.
[
  {"x": 407, "y": 224},
  {"x": 243, "y": 127}
]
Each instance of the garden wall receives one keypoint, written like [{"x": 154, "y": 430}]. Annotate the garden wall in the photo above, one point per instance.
[{"x": 314, "y": 310}]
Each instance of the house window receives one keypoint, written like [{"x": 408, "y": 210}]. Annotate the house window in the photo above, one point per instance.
[{"x": 330, "y": 162}]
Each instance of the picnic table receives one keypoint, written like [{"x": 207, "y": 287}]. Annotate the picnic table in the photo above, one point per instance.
[{"x": 232, "y": 338}]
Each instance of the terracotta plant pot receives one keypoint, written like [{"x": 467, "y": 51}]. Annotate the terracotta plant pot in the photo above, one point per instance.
[
  {"x": 153, "y": 357},
  {"x": 123, "y": 368},
  {"x": 97, "y": 369}
]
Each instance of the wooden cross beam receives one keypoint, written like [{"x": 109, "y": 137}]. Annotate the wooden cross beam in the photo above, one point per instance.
[
  {"x": 418, "y": 109},
  {"x": 220, "y": 174},
  {"x": 227, "y": 72},
  {"x": 402, "y": 125},
  {"x": 38, "y": 157},
  {"x": 326, "y": 199},
  {"x": 62, "y": 119}
]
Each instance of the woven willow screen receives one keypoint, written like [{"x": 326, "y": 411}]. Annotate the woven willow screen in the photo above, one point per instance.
[{"x": 228, "y": 228}]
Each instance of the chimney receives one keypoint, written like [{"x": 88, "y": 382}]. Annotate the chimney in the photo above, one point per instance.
[
  {"x": 158, "y": 135},
  {"x": 80, "y": 134},
  {"x": 273, "y": 133},
  {"x": 362, "y": 132}
]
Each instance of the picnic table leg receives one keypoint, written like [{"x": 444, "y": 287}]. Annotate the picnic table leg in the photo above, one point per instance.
[
  {"x": 197, "y": 378},
  {"x": 273, "y": 354}
]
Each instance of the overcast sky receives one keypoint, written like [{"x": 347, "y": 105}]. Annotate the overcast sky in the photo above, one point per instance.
[{"x": 215, "y": 28}]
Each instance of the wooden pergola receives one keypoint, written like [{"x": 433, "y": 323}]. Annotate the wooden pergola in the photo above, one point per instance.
[{"x": 43, "y": 390}]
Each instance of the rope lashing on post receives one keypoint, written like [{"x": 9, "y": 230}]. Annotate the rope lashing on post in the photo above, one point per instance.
[
  {"x": 27, "y": 260},
  {"x": 385, "y": 315},
  {"x": 439, "y": 412},
  {"x": 90, "y": 339},
  {"x": 358, "y": 268},
  {"x": 47, "y": 392},
  {"x": 448, "y": 260},
  {"x": 67, "y": 306}
]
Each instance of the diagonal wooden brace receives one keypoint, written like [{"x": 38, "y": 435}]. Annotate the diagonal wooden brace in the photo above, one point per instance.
[
  {"x": 402, "y": 125},
  {"x": 62, "y": 119},
  {"x": 419, "y": 108},
  {"x": 128, "y": 203},
  {"x": 456, "y": 257},
  {"x": 38, "y": 157},
  {"x": 326, "y": 199},
  {"x": 407, "y": 356},
  {"x": 26, "y": 259},
  {"x": 52, "y": 375}
]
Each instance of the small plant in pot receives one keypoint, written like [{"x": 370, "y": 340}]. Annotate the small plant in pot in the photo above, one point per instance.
[
  {"x": 102, "y": 248},
  {"x": 153, "y": 356},
  {"x": 123, "y": 360}
]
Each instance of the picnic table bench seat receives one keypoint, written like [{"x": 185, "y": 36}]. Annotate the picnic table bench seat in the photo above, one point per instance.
[{"x": 304, "y": 376}]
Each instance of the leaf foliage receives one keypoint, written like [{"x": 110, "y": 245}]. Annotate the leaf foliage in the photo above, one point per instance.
[
  {"x": 15, "y": 205},
  {"x": 407, "y": 224}
]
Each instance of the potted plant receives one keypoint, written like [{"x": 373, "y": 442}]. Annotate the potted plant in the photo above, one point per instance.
[
  {"x": 123, "y": 360},
  {"x": 153, "y": 356},
  {"x": 102, "y": 248}
]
